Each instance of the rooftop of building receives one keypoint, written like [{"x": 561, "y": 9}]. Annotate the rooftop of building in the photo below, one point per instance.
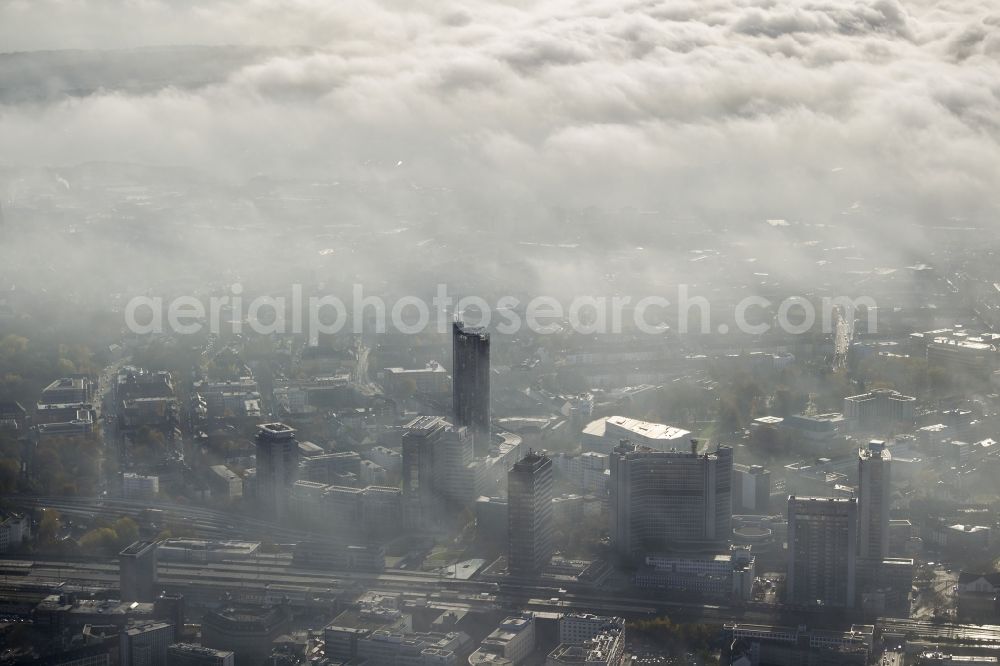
[
  {"x": 969, "y": 529},
  {"x": 935, "y": 655},
  {"x": 827, "y": 418},
  {"x": 532, "y": 461},
  {"x": 138, "y": 548},
  {"x": 192, "y": 648},
  {"x": 628, "y": 447},
  {"x": 249, "y": 618},
  {"x": 59, "y": 406},
  {"x": 492, "y": 500},
  {"x": 517, "y": 623},
  {"x": 370, "y": 618},
  {"x": 509, "y": 630},
  {"x": 881, "y": 392},
  {"x": 10, "y": 517},
  {"x": 426, "y": 423},
  {"x": 484, "y": 656},
  {"x": 104, "y": 607},
  {"x": 315, "y": 485},
  {"x": 77, "y": 383},
  {"x": 596, "y": 650},
  {"x": 310, "y": 449},
  {"x": 609, "y": 620},
  {"x": 593, "y": 454},
  {"x": 275, "y": 430},
  {"x": 138, "y": 628},
  {"x": 504, "y": 442},
  {"x": 246, "y": 547},
  {"x": 131, "y": 402},
  {"x": 736, "y": 555},
  {"x": 969, "y": 344},
  {"x": 428, "y": 642},
  {"x": 819, "y": 501},
  {"x": 750, "y": 469},
  {"x": 876, "y": 449},
  {"x": 224, "y": 472},
  {"x": 644, "y": 429},
  {"x": 464, "y": 330}
]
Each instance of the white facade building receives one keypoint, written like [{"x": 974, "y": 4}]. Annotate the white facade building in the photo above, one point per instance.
[
  {"x": 138, "y": 486},
  {"x": 590, "y": 640},
  {"x": 14, "y": 530},
  {"x": 513, "y": 640},
  {"x": 586, "y": 472},
  {"x": 722, "y": 576},
  {"x": 578, "y": 628}
]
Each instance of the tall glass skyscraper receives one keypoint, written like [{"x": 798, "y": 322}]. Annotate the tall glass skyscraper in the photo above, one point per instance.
[
  {"x": 822, "y": 555},
  {"x": 874, "y": 495},
  {"x": 470, "y": 377},
  {"x": 529, "y": 502},
  {"x": 673, "y": 500}
]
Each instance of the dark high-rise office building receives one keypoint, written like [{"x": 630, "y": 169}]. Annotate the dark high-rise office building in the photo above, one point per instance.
[
  {"x": 822, "y": 551},
  {"x": 137, "y": 572},
  {"x": 418, "y": 442},
  {"x": 437, "y": 473},
  {"x": 529, "y": 501},
  {"x": 454, "y": 478},
  {"x": 170, "y": 608},
  {"x": 883, "y": 582},
  {"x": 277, "y": 467},
  {"x": 874, "y": 495},
  {"x": 669, "y": 500},
  {"x": 470, "y": 382},
  {"x": 145, "y": 643}
]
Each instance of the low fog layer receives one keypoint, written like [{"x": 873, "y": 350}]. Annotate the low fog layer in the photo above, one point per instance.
[{"x": 457, "y": 118}]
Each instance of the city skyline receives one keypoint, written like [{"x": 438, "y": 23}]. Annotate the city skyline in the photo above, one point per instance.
[{"x": 499, "y": 333}]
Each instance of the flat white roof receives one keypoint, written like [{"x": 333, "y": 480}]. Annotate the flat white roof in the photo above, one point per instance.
[{"x": 643, "y": 429}]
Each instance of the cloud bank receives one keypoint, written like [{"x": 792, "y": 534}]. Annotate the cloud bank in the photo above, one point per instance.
[{"x": 716, "y": 110}]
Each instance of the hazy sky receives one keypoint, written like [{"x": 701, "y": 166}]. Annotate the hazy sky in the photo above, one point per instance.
[{"x": 768, "y": 108}]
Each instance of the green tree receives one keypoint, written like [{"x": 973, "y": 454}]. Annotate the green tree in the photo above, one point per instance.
[
  {"x": 99, "y": 540},
  {"x": 48, "y": 526},
  {"x": 9, "y": 472},
  {"x": 126, "y": 531}
]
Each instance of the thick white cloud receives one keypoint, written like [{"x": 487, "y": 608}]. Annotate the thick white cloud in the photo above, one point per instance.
[{"x": 717, "y": 107}]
